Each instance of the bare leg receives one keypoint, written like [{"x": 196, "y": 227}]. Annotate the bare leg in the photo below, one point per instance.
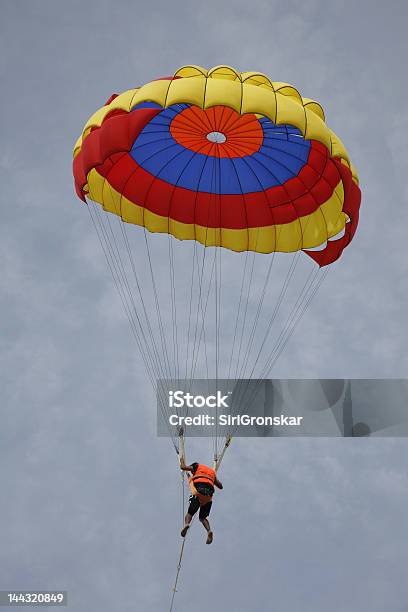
[
  {"x": 207, "y": 527},
  {"x": 187, "y": 521}
]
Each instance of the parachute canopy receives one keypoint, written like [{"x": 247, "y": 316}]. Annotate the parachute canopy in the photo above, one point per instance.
[
  {"x": 230, "y": 178},
  {"x": 224, "y": 158}
]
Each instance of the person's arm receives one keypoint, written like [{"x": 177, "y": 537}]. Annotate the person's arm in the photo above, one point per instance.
[
  {"x": 218, "y": 483},
  {"x": 186, "y": 468}
]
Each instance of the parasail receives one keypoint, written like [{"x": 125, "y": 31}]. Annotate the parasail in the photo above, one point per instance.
[{"x": 241, "y": 197}]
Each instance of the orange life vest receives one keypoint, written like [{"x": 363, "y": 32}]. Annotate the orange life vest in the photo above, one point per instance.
[{"x": 203, "y": 474}]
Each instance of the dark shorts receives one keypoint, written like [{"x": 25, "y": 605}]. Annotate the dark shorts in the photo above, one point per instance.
[{"x": 195, "y": 504}]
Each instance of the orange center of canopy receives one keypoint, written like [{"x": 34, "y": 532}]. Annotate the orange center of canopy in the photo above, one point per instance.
[{"x": 219, "y": 131}]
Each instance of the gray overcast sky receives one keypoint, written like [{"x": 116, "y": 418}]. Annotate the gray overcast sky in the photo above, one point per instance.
[{"x": 90, "y": 496}]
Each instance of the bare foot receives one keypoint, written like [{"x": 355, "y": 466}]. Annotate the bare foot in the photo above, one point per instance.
[
  {"x": 209, "y": 537},
  {"x": 184, "y": 530}
]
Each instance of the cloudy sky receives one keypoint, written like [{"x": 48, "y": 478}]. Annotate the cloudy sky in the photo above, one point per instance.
[{"x": 91, "y": 498}]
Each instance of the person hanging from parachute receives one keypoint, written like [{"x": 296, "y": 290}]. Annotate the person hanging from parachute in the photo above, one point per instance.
[
  {"x": 201, "y": 482},
  {"x": 234, "y": 164}
]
